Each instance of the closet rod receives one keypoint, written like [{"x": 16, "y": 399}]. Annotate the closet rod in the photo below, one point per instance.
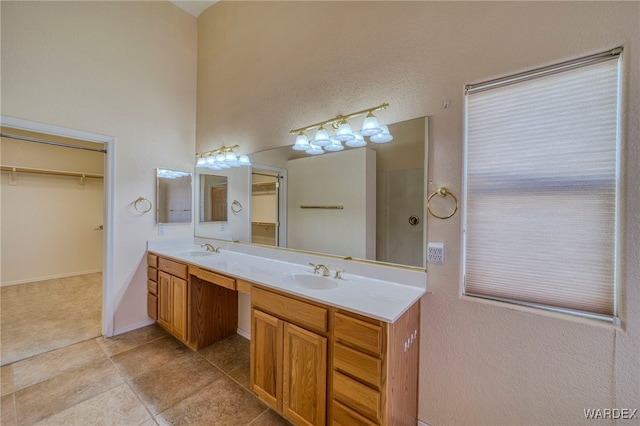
[
  {"x": 65, "y": 145},
  {"x": 50, "y": 172}
]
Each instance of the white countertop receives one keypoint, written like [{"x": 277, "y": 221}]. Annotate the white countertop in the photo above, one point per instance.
[{"x": 383, "y": 300}]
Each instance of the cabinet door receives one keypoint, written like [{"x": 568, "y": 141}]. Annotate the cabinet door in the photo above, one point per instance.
[
  {"x": 266, "y": 357},
  {"x": 179, "y": 307},
  {"x": 304, "y": 376},
  {"x": 164, "y": 299}
]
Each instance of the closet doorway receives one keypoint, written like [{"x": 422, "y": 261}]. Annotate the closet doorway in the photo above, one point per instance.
[
  {"x": 52, "y": 213},
  {"x": 268, "y": 214}
]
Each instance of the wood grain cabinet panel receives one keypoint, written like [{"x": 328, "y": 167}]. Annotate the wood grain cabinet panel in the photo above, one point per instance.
[
  {"x": 358, "y": 333},
  {"x": 179, "y": 308},
  {"x": 357, "y": 364},
  {"x": 304, "y": 376},
  {"x": 344, "y": 416},
  {"x": 357, "y": 396},
  {"x": 288, "y": 357},
  {"x": 164, "y": 300},
  {"x": 152, "y": 306},
  {"x": 172, "y": 267},
  {"x": 266, "y": 357}
]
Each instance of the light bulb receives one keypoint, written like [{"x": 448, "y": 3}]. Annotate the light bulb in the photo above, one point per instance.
[
  {"x": 344, "y": 132},
  {"x": 201, "y": 161},
  {"x": 335, "y": 145},
  {"x": 357, "y": 142},
  {"x": 382, "y": 137},
  {"x": 322, "y": 137},
  {"x": 314, "y": 150},
  {"x": 302, "y": 142},
  {"x": 244, "y": 160},
  {"x": 370, "y": 126},
  {"x": 210, "y": 159}
]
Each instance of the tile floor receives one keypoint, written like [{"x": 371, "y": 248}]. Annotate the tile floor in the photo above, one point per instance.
[
  {"x": 42, "y": 316},
  {"x": 144, "y": 377}
]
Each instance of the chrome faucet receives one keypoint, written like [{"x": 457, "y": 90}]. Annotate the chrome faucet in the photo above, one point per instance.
[
  {"x": 210, "y": 248},
  {"x": 320, "y": 267}
]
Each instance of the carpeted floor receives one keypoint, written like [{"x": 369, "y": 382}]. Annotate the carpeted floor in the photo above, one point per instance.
[{"x": 41, "y": 316}]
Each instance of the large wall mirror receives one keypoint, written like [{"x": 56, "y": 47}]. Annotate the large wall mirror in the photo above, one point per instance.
[
  {"x": 173, "y": 196},
  {"x": 365, "y": 203}
]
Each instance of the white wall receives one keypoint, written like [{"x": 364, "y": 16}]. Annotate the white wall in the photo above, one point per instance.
[
  {"x": 122, "y": 69},
  {"x": 49, "y": 222},
  {"x": 266, "y": 68}
]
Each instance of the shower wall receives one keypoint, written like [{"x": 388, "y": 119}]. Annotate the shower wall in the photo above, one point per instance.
[{"x": 400, "y": 196}]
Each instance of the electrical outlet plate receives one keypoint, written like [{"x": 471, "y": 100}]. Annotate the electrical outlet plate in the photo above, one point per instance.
[{"x": 435, "y": 253}]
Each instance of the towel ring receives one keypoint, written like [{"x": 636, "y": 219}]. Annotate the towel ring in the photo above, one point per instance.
[
  {"x": 442, "y": 192},
  {"x": 136, "y": 205},
  {"x": 236, "y": 207}
]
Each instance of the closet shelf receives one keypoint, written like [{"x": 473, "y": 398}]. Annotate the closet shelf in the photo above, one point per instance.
[{"x": 50, "y": 172}]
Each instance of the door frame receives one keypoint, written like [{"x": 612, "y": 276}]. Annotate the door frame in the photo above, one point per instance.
[{"x": 108, "y": 213}]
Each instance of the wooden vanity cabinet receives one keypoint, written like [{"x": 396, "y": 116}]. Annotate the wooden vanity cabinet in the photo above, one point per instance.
[
  {"x": 289, "y": 356},
  {"x": 198, "y": 306},
  {"x": 375, "y": 370},
  {"x": 173, "y": 295},
  {"x": 152, "y": 286}
]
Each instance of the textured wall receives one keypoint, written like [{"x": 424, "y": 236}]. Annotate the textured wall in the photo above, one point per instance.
[
  {"x": 122, "y": 69},
  {"x": 265, "y": 68}
]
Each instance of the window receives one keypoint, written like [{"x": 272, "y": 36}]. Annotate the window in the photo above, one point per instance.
[{"x": 541, "y": 187}]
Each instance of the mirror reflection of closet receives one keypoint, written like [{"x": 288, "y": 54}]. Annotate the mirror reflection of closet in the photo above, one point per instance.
[
  {"x": 174, "y": 197},
  {"x": 214, "y": 198},
  {"x": 265, "y": 220}
]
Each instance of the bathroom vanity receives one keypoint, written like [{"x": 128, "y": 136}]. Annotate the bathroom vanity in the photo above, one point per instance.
[{"x": 324, "y": 350}]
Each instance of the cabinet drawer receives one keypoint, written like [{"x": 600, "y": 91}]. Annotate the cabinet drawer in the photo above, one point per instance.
[
  {"x": 212, "y": 277},
  {"x": 343, "y": 416},
  {"x": 357, "y": 333},
  {"x": 152, "y": 273},
  {"x": 152, "y": 287},
  {"x": 304, "y": 314},
  {"x": 152, "y": 306},
  {"x": 174, "y": 268},
  {"x": 152, "y": 260},
  {"x": 355, "y": 395},
  {"x": 243, "y": 286},
  {"x": 357, "y": 364}
]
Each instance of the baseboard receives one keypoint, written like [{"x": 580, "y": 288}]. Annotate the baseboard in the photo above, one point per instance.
[
  {"x": 50, "y": 277},
  {"x": 421, "y": 423},
  {"x": 244, "y": 333},
  {"x": 132, "y": 327}
]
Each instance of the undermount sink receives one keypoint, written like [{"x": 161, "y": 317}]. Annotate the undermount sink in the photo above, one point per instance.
[
  {"x": 311, "y": 282},
  {"x": 195, "y": 253}
]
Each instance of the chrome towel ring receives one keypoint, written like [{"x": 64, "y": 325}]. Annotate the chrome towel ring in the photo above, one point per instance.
[
  {"x": 142, "y": 205},
  {"x": 442, "y": 192}
]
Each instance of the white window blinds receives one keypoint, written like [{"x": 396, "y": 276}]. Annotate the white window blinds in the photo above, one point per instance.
[{"x": 541, "y": 183}]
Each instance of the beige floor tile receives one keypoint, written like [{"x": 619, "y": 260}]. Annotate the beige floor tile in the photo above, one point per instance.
[
  {"x": 151, "y": 356},
  {"x": 270, "y": 418},
  {"x": 242, "y": 375},
  {"x": 41, "y": 316},
  {"x": 6, "y": 380},
  {"x": 123, "y": 342},
  {"x": 7, "y": 410},
  {"x": 64, "y": 390},
  {"x": 46, "y": 366},
  {"x": 228, "y": 354},
  {"x": 223, "y": 402},
  {"x": 166, "y": 386},
  {"x": 117, "y": 406}
]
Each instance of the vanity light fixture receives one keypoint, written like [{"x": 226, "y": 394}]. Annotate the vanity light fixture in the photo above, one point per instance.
[
  {"x": 222, "y": 158},
  {"x": 325, "y": 142}
]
